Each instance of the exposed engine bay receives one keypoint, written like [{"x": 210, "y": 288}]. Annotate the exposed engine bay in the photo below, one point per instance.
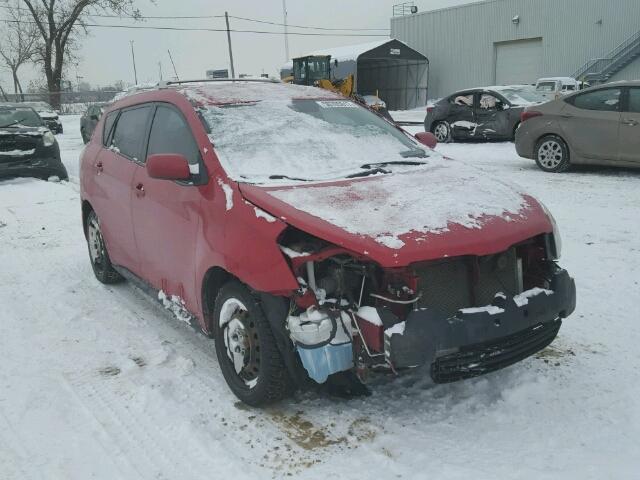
[{"x": 464, "y": 316}]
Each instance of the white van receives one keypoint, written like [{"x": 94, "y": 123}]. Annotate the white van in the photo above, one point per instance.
[{"x": 553, "y": 87}]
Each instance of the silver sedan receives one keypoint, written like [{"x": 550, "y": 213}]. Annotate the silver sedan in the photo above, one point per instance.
[{"x": 598, "y": 126}]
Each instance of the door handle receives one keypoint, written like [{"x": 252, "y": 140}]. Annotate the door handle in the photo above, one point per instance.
[
  {"x": 630, "y": 122},
  {"x": 140, "y": 190},
  {"x": 566, "y": 115},
  {"x": 99, "y": 167}
]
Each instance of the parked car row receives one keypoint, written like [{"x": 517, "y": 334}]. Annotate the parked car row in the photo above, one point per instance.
[
  {"x": 319, "y": 244},
  {"x": 598, "y": 125}
]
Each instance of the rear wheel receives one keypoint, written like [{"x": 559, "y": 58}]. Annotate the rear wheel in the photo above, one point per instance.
[
  {"x": 246, "y": 349},
  {"x": 442, "y": 131},
  {"x": 552, "y": 154},
  {"x": 100, "y": 262}
]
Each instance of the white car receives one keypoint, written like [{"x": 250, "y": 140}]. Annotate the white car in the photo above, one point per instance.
[{"x": 555, "y": 87}]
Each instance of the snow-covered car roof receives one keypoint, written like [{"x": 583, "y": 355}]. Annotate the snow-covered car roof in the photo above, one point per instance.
[{"x": 212, "y": 93}]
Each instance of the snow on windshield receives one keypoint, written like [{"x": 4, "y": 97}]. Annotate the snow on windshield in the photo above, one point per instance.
[
  {"x": 303, "y": 139},
  {"x": 521, "y": 96}
]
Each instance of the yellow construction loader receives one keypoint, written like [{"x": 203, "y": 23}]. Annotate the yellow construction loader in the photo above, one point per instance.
[{"x": 315, "y": 70}]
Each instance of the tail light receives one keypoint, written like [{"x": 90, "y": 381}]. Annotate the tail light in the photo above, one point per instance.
[
  {"x": 429, "y": 109},
  {"x": 529, "y": 114}
]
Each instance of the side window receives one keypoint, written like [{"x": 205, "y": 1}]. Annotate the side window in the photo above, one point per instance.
[
  {"x": 108, "y": 125},
  {"x": 130, "y": 131},
  {"x": 463, "y": 100},
  {"x": 607, "y": 100},
  {"x": 489, "y": 102},
  {"x": 634, "y": 100},
  {"x": 170, "y": 133}
]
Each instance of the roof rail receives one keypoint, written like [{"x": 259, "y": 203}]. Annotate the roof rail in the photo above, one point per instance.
[{"x": 257, "y": 80}]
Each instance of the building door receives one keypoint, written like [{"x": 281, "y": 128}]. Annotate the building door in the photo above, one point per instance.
[{"x": 518, "y": 62}]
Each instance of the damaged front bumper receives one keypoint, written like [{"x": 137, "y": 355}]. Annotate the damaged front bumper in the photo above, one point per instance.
[{"x": 477, "y": 341}]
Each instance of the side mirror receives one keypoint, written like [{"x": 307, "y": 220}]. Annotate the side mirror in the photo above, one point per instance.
[
  {"x": 168, "y": 166},
  {"x": 427, "y": 138}
]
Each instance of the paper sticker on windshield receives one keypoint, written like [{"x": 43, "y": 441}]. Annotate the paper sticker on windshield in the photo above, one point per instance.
[{"x": 336, "y": 104}]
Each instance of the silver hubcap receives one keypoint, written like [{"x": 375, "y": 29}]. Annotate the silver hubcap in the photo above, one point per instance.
[
  {"x": 96, "y": 244},
  {"x": 240, "y": 340},
  {"x": 550, "y": 154},
  {"x": 441, "y": 132}
]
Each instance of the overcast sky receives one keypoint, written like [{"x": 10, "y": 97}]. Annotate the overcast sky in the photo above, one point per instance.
[{"x": 105, "y": 54}]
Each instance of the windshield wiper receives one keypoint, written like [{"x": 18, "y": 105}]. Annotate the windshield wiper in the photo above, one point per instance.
[
  {"x": 397, "y": 162},
  {"x": 282, "y": 177},
  {"x": 366, "y": 173}
]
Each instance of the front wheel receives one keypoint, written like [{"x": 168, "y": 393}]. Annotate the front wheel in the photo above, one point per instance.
[
  {"x": 100, "y": 261},
  {"x": 552, "y": 154},
  {"x": 246, "y": 348},
  {"x": 442, "y": 131}
]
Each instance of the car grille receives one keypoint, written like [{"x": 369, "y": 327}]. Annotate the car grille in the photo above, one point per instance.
[
  {"x": 456, "y": 283},
  {"x": 474, "y": 360},
  {"x": 10, "y": 144}
]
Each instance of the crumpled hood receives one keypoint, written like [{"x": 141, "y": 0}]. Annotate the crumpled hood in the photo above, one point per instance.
[{"x": 444, "y": 209}]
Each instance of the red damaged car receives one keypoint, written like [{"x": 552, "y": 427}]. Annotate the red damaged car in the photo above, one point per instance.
[{"x": 314, "y": 240}]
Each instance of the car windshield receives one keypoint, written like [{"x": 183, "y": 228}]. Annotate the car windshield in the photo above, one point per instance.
[
  {"x": 306, "y": 139},
  {"x": 19, "y": 116},
  {"x": 546, "y": 87},
  {"x": 522, "y": 96}
]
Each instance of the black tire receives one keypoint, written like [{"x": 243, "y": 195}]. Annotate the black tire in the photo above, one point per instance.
[
  {"x": 552, "y": 154},
  {"x": 442, "y": 131},
  {"x": 85, "y": 140},
  {"x": 98, "y": 255},
  {"x": 263, "y": 377}
]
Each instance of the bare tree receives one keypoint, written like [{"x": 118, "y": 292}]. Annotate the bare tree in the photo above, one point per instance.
[
  {"x": 58, "y": 21},
  {"x": 18, "y": 43}
]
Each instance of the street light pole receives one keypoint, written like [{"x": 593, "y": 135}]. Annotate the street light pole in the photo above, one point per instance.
[
  {"x": 286, "y": 30},
  {"x": 133, "y": 57},
  {"x": 233, "y": 72}
]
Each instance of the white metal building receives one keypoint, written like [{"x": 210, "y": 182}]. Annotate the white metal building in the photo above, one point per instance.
[{"x": 518, "y": 41}]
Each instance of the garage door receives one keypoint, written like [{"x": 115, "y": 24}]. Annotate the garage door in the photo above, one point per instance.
[{"x": 518, "y": 62}]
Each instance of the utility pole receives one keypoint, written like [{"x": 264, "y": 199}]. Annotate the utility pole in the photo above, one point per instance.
[
  {"x": 173, "y": 64},
  {"x": 233, "y": 72},
  {"x": 133, "y": 57},
  {"x": 286, "y": 31},
  {"x": 160, "y": 69}
]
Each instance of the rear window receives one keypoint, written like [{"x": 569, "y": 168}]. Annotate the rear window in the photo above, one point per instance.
[{"x": 128, "y": 137}]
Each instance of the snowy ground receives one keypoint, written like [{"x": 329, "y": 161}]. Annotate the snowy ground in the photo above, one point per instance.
[{"x": 99, "y": 382}]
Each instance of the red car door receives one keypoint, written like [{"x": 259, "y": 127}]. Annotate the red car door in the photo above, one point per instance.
[
  {"x": 166, "y": 213},
  {"x": 114, "y": 170}
]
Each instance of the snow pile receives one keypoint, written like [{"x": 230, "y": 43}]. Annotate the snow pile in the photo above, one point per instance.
[{"x": 425, "y": 199}]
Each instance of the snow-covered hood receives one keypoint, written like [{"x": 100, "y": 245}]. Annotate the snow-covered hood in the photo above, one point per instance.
[
  {"x": 22, "y": 130},
  {"x": 444, "y": 209}
]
